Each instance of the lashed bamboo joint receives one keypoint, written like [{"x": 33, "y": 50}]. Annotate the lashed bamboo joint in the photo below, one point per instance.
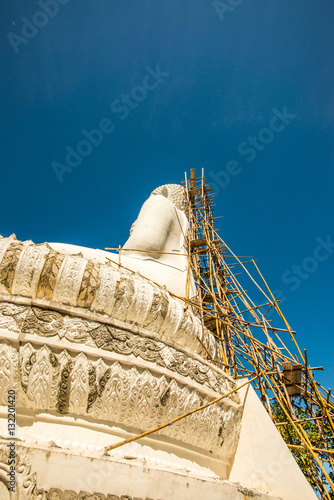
[
  {"x": 300, "y": 407},
  {"x": 129, "y": 353}
]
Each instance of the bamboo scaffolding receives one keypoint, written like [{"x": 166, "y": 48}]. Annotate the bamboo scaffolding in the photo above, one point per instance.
[
  {"x": 253, "y": 348},
  {"x": 222, "y": 303}
]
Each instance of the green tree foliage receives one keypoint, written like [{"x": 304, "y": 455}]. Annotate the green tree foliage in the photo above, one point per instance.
[{"x": 306, "y": 462}]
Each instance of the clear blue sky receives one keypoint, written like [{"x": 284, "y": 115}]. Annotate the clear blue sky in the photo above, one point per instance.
[{"x": 201, "y": 87}]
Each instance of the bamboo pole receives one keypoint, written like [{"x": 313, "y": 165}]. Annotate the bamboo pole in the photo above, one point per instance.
[
  {"x": 174, "y": 420},
  {"x": 312, "y": 447},
  {"x": 248, "y": 353}
]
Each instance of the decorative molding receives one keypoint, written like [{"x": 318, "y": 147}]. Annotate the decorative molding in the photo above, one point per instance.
[
  {"x": 131, "y": 397},
  {"x": 9, "y": 371},
  {"x": 70, "y": 280},
  {"x": 38, "y": 272},
  {"x": 26, "y": 487},
  {"x": 46, "y": 323},
  {"x": 29, "y": 269},
  {"x": 8, "y": 265},
  {"x": 25, "y": 479},
  {"x": 165, "y": 382},
  {"x": 48, "y": 276}
]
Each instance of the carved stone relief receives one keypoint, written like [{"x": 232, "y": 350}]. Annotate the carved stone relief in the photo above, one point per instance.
[
  {"x": 38, "y": 272},
  {"x": 26, "y": 487},
  {"x": 46, "y": 323},
  {"x": 25, "y": 479},
  {"x": 9, "y": 368},
  {"x": 128, "y": 396}
]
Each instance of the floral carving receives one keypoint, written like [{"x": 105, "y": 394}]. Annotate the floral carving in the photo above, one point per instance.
[
  {"x": 40, "y": 273},
  {"x": 26, "y": 480},
  {"x": 48, "y": 277},
  {"x": 49, "y": 323},
  {"x": 64, "y": 388},
  {"x": 29, "y": 270},
  {"x": 8, "y": 371},
  {"x": 8, "y": 265},
  {"x": 112, "y": 391}
]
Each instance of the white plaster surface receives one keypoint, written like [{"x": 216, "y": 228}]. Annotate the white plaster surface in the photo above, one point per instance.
[
  {"x": 78, "y": 435},
  {"x": 162, "y": 273},
  {"x": 156, "y": 247},
  {"x": 84, "y": 472},
  {"x": 262, "y": 459}
]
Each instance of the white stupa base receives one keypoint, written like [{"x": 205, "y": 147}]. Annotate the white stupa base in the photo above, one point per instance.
[{"x": 60, "y": 474}]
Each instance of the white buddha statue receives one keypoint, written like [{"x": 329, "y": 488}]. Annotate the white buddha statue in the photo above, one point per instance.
[{"x": 157, "y": 247}]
